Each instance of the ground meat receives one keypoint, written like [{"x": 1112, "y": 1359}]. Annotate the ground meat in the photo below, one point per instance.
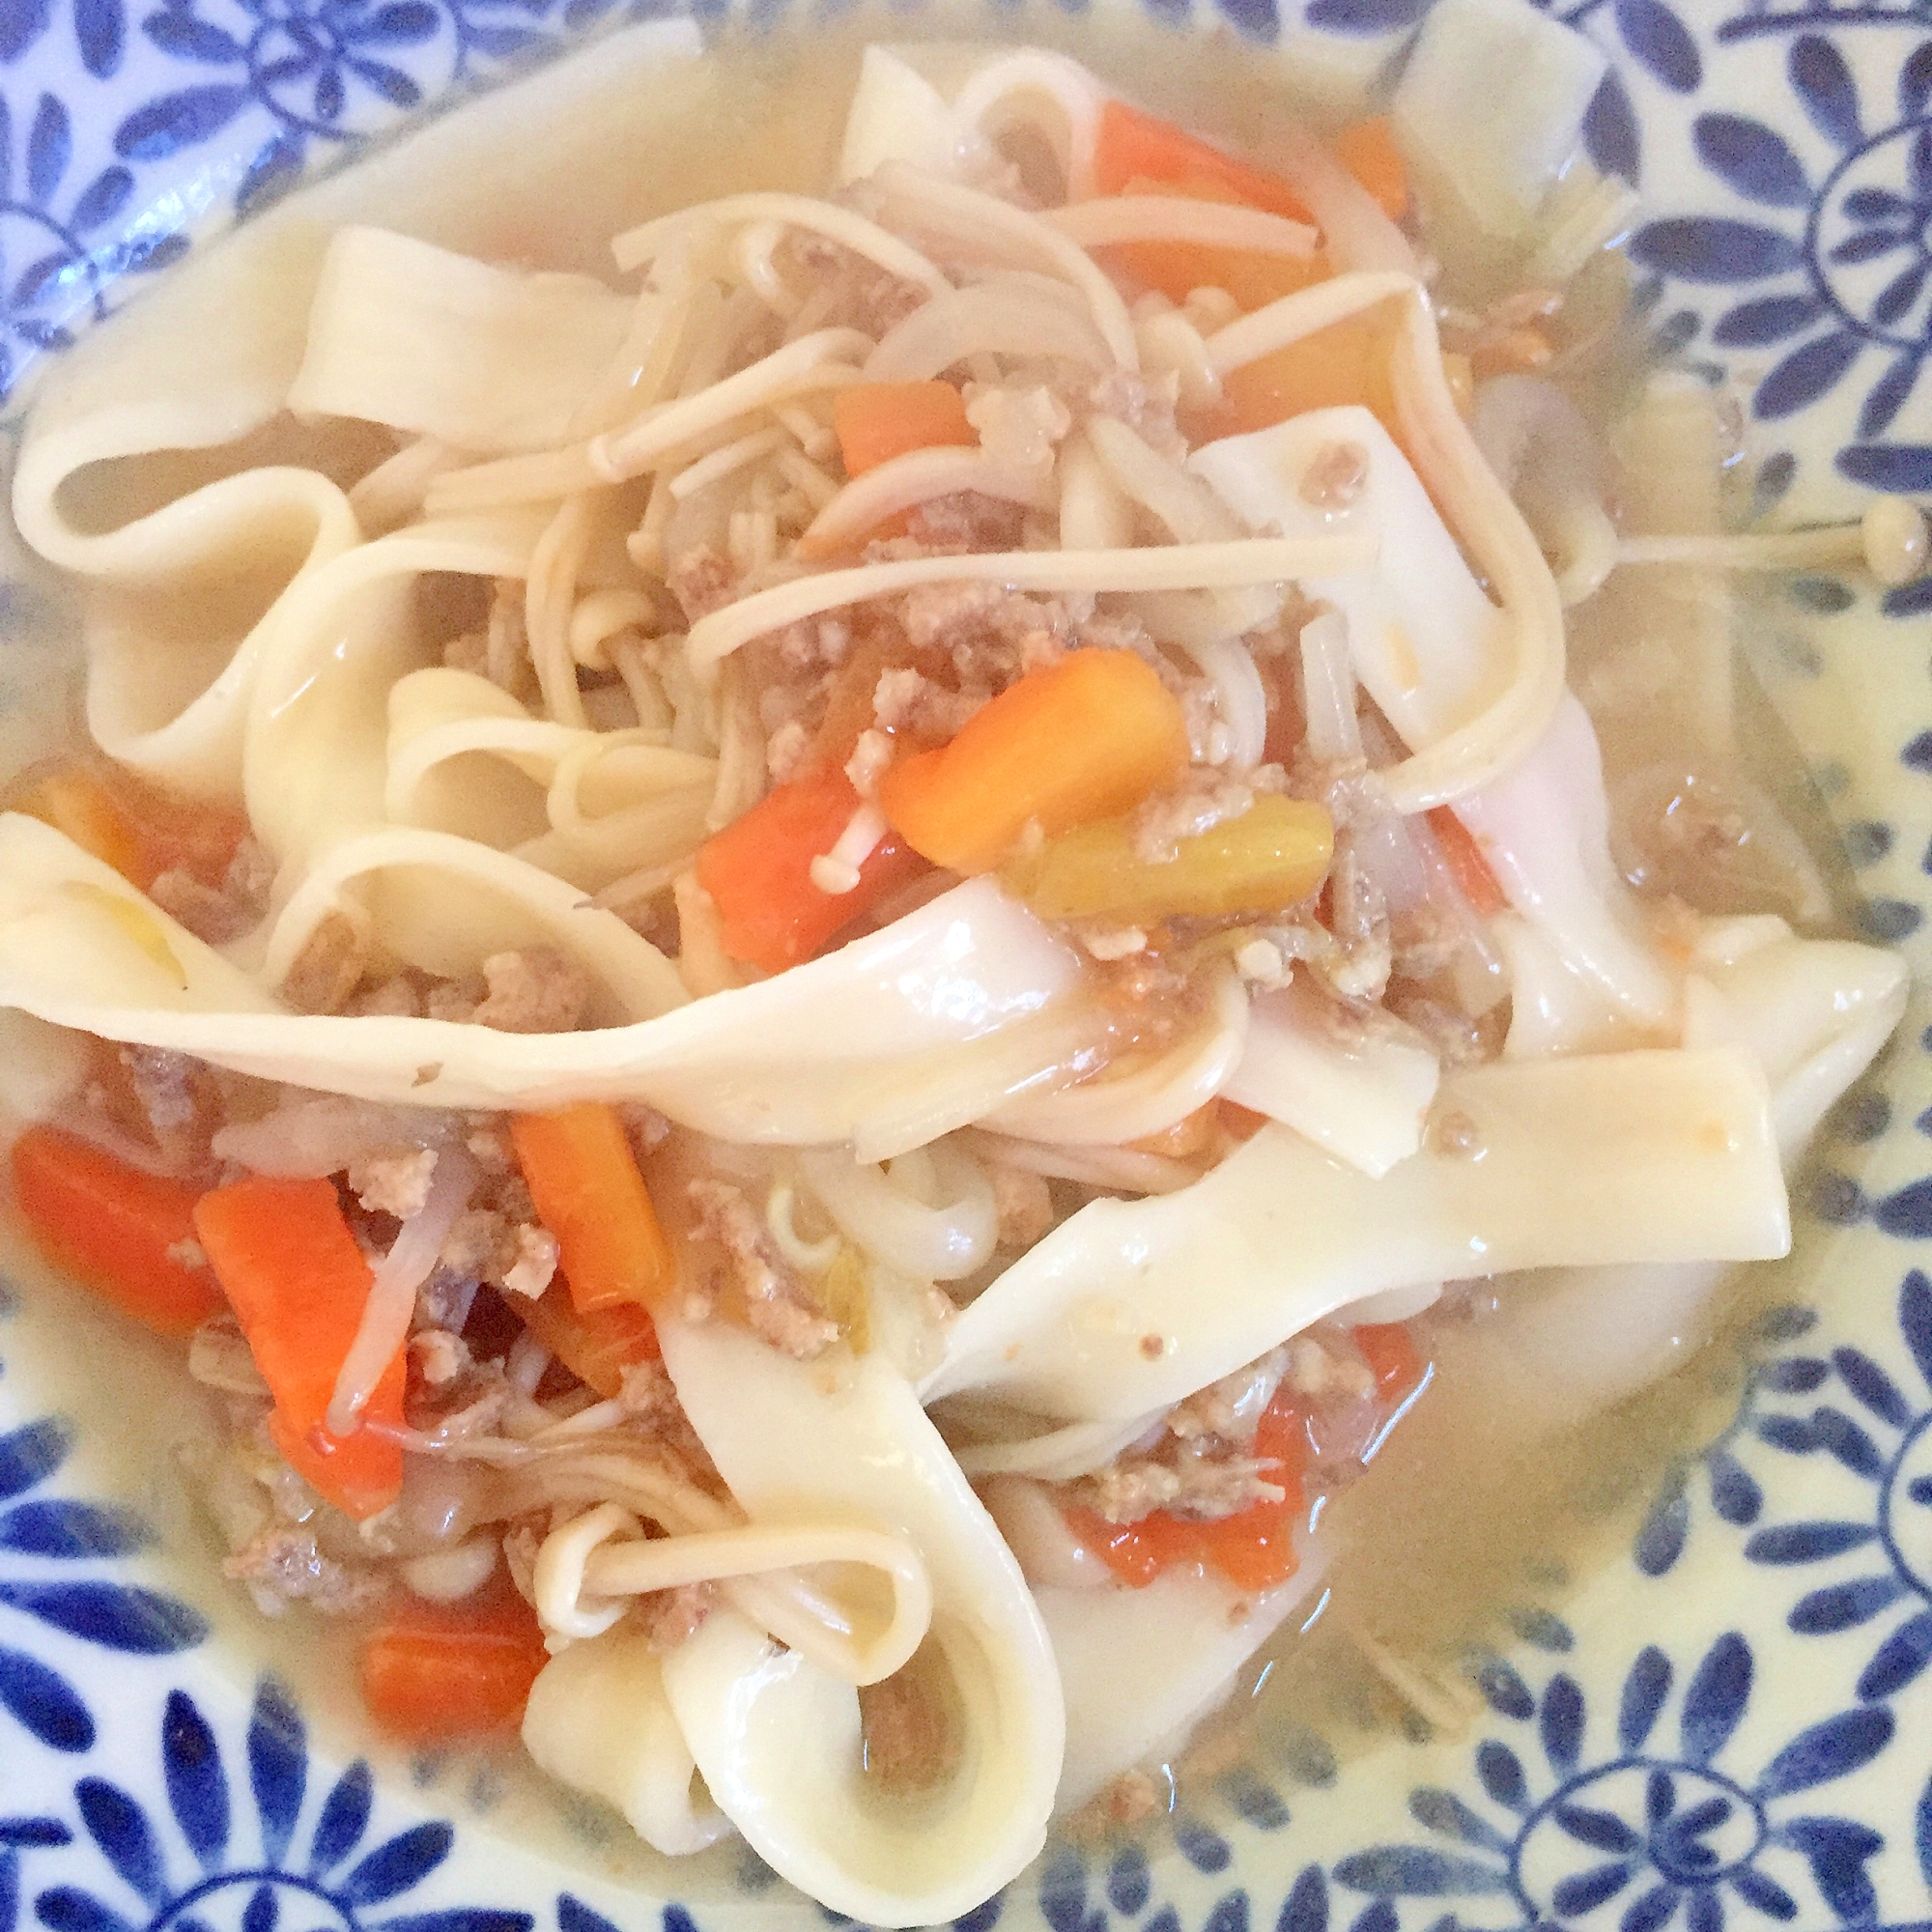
[
  {"x": 671, "y": 1616},
  {"x": 777, "y": 1309},
  {"x": 537, "y": 990},
  {"x": 701, "y": 580},
  {"x": 1359, "y": 920},
  {"x": 536, "y": 1255},
  {"x": 1204, "y": 799},
  {"x": 438, "y": 1356},
  {"x": 645, "y": 1128},
  {"x": 1023, "y": 1202},
  {"x": 394, "y": 1183},
  {"x": 991, "y": 635},
  {"x": 907, "y": 701},
  {"x": 454, "y": 1000},
  {"x": 506, "y": 1250},
  {"x": 1018, "y": 425},
  {"x": 283, "y": 1565},
  {"x": 211, "y": 915},
  {"x": 1190, "y": 1479},
  {"x": 966, "y": 522},
  {"x": 393, "y": 998},
  {"x": 329, "y": 967}
]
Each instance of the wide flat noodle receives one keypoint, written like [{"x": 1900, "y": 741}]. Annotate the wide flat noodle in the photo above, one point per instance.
[
  {"x": 793, "y": 1449},
  {"x": 1658, "y": 1155},
  {"x": 482, "y": 357},
  {"x": 1814, "y": 1012},
  {"x": 813, "y": 1056},
  {"x": 1140, "y": 1668}
]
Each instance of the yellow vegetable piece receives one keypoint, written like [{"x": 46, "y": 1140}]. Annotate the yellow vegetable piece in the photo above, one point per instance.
[{"x": 1273, "y": 856}]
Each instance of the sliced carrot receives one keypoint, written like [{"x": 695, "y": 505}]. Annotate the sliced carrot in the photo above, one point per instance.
[
  {"x": 297, "y": 1283},
  {"x": 1345, "y": 362},
  {"x": 1253, "y": 1548},
  {"x": 1368, "y": 150},
  {"x": 877, "y": 421},
  {"x": 1471, "y": 869},
  {"x": 443, "y": 1671},
  {"x": 590, "y": 1195},
  {"x": 1179, "y": 268},
  {"x": 1393, "y": 1359},
  {"x": 1085, "y": 738},
  {"x": 127, "y": 1236},
  {"x": 1243, "y": 1122},
  {"x": 596, "y": 1346},
  {"x": 1131, "y": 146},
  {"x": 758, "y": 871},
  {"x": 138, "y": 829}
]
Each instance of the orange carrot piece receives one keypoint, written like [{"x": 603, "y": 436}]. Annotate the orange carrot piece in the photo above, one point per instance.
[
  {"x": 877, "y": 421},
  {"x": 1179, "y": 268},
  {"x": 1085, "y": 738},
  {"x": 1345, "y": 362},
  {"x": 1368, "y": 150},
  {"x": 1471, "y": 869},
  {"x": 297, "y": 1283},
  {"x": 590, "y": 1195},
  {"x": 127, "y": 1236},
  {"x": 1136, "y": 147},
  {"x": 443, "y": 1671},
  {"x": 139, "y": 829},
  {"x": 596, "y": 1346},
  {"x": 1393, "y": 1359},
  {"x": 1253, "y": 1548},
  {"x": 758, "y": 871}
]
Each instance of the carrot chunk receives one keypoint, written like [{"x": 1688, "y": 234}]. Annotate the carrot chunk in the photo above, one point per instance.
[
  {"x": 1135, "y": 147},
  {"x": 1368, "y": 150},
  {"x": 1345, "y": 362},
  {"x": 1253, "y": 1548},
  {"x": 773, "y": 914},
  {"x": 443, "y": 1671},
  {"x": 596, "y": 1346},
  {"x": 297, "y": 1283},
  {"x": 589, "y": 1194},
  {"x": 1393, "y": 1359},
  {"x": 1081, "y": 739},
  {"x": 139, "y": 829},
  {"x": 127, "y": 1236},
  {"x": 1463, "y": 856},
  {"x": 1177, "y": 269},
  {"x": 877, "y": 421}
]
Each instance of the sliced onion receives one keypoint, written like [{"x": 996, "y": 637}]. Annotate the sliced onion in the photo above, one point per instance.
[
  {"x": 392, "y": 1293},
  {"x": 324, "y": 1133}
]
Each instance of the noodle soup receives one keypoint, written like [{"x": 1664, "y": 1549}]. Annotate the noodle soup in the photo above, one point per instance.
[{"x": 817, "y": 977}]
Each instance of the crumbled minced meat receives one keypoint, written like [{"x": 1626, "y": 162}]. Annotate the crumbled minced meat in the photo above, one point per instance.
[
  {"x": 394, "y": 1183},
  {"x": 537, "y": 990},
  {"x": 283, "y": 1565},
  {"x": 777, "y": 1307},
  {"x": 330, "y": 966}
]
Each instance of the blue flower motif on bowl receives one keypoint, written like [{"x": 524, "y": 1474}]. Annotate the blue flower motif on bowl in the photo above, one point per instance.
[
  {"x": 188, "y": 1872},
  {"x": 43, "y": 1538},
  {"x": 1626, "y": 1825}
]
